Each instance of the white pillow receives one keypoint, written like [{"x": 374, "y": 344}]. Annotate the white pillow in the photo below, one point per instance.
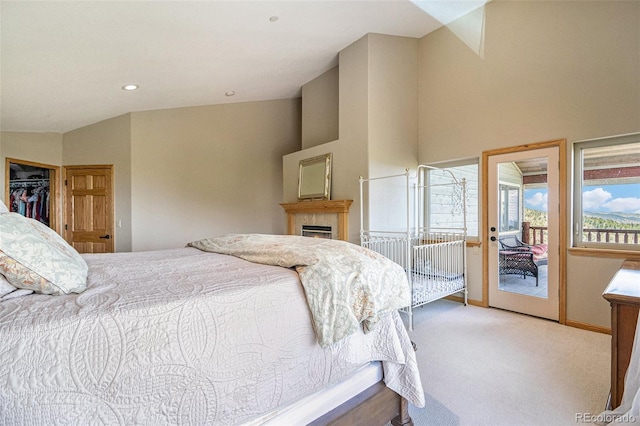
[
  {"x": 34, "y": 257},
  {"x": 3, "y": 208},
  {"x": 18, "y": 293},
  {"x": 8, "y": 291},
  {"x": 5, "y": 286}
]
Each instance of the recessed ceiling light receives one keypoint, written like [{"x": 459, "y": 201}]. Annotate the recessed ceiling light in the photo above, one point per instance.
[
  {"x": 229, "y": 93},
  {"x": 274, "y": 18},
  {"x": 130, "y": 87}
]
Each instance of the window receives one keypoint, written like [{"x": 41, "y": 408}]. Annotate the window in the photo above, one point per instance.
[
  {"x": 509, "y": 208},
  {"x": 607, "y": 193},
  {"x": 444, "y": 209}
]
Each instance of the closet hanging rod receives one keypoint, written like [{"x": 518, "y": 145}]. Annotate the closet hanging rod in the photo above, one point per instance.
[{"x": 39, "y": 184}]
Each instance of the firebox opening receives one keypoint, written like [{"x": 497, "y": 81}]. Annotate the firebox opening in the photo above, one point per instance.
[{"x": 316, "y": 231}]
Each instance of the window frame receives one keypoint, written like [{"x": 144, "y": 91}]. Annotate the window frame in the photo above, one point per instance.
[
  {"x": 508, "y": 188},
  {"x": 472, "y": 161},
  {"x": 578, "y": 186}
]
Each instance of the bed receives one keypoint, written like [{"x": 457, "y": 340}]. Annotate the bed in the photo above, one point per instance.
[
  {"x": 191, "y": 337},
  {"x": 433, "y": 256}
]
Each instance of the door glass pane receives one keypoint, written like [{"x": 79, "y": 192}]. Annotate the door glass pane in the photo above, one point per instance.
[{"x": 522, "y": 255}]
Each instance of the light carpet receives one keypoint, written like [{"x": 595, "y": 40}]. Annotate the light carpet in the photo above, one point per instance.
[{"x": 483, "y": 366}]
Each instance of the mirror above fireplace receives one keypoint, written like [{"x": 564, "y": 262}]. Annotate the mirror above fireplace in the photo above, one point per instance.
[{"x": 314, "y": 178}]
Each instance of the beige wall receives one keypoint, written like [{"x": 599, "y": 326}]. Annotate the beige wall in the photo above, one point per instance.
[
  {"x": 550, "y": 70},
  {"x": 393, "y": 126},
  {"x": 320, "y": 109},
  {"x": 377, "y": 120},
  {"x": 45, "y": 148},
  {"x": 350, "y": 151},
  {"x": 182, "y": 174},
  {"x": 107, "y": 142},
  {"x": 204, "y": 171},
  {"x": 393, "y": 104}
]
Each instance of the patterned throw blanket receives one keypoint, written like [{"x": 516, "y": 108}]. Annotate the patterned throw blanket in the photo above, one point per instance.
[{"x": 345, "y": 285}]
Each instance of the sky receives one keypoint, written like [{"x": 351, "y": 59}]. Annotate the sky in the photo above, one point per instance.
[{"x": 600, "y": 198}]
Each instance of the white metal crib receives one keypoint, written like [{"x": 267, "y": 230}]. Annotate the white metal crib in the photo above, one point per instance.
[{"x": 435, "y": 258}]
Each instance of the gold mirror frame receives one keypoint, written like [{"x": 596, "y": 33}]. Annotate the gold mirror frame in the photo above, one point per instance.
[{"x": 314, "y": 178}]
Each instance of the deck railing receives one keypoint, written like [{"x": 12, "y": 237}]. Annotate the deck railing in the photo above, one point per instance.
[
  {"x": 535, "y": 234},
  {"x": 539, "y": 235},
  {"x": 620, "y": 236}
]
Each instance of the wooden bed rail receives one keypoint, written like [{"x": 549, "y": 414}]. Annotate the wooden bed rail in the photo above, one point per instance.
[{"x": 376, "y": 405}]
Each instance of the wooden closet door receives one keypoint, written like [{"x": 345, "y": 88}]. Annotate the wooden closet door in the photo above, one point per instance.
[{"x": 89, "y": 208}]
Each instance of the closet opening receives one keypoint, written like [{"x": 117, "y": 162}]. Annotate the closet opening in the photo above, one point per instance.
[{"x": 31, "y": 190}]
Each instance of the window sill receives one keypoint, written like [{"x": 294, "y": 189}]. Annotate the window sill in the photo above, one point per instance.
[{"x": 606, "y": 253}]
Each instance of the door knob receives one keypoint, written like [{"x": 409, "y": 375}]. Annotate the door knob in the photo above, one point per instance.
[
  {"x": 493, "y": 238},
  {"x": 493, "y": 229},
  {"x": 106, "y": 237}
]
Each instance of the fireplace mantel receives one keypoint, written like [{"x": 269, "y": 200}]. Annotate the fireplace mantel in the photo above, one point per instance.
[{"x": 317, "y": 211}]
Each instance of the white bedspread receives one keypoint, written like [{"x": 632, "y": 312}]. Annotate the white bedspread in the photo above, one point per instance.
[
  {"x": 346, "y": 286},
  {"x": 178, "y": 337}
]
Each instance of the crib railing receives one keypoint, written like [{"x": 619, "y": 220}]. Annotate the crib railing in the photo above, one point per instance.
[
  {"x": 444, "y": 259},
  {"x": 396, "y": 247},
  {"x": 434, "y": 263}
]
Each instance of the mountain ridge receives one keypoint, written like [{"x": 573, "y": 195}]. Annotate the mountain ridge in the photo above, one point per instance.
[{"x": 592, "y": 220}]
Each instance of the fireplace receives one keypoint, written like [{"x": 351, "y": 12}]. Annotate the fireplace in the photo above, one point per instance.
[
  {"x": 316, "y": 231},
  {"x": 317, "y": 214}
]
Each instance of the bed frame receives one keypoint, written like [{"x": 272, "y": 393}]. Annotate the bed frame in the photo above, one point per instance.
[{"x": 376, "y": 405}]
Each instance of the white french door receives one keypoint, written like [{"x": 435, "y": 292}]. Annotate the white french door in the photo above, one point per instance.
[{"x": 535, "y": 291}]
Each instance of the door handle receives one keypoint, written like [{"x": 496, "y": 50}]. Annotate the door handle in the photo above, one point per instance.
[
  {"x": 492, "y": 238},
  {"x": 106, "y": 237}
]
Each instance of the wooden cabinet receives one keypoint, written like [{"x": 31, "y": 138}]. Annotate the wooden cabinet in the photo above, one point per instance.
[{"x": 623, "y": 293}]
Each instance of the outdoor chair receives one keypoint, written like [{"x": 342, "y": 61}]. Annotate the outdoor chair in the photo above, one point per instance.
[{"x": 518, "y": 258}]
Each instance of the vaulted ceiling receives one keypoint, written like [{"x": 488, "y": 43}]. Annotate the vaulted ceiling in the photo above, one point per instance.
[{"x": 63, "y": 64}]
